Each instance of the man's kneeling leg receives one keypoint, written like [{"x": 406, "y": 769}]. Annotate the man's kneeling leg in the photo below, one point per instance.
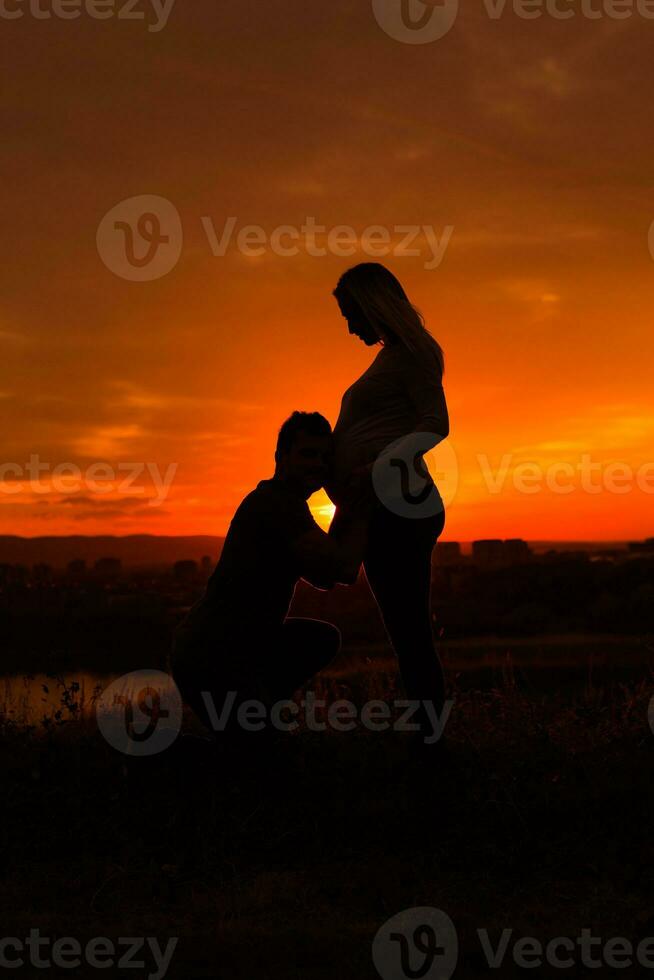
[{"x": 304, "y": 648}]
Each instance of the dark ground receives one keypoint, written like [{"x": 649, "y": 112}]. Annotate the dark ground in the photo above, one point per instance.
[{"x": 543, "y": 825}]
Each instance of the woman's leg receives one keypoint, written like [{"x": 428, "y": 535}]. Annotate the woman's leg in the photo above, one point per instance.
[{"x": 398, "y": 569}]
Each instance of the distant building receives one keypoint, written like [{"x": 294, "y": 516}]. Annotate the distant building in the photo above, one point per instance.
[
  {"x": 516, "y": 551},
  {"x": 108, "y": 568},
  {"x": 185, "y": 571},
  {"x": 137, "y": 604},
  {"x": 495, "y": 553},
  {"x": 567, "y": 556},
  {"x": 447, "y": 553},
  {"x": 607, "y": 554},
  {"x": 645, "y": 546},
  {"x": 13, "y": 574},
  {"x": 43, "y": 573},
  {"x": 488, "y": 553},
  {"x": 76, "y": 568}
]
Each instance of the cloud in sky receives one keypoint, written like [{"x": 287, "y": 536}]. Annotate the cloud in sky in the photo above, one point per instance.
[{"x": 517, "y": 133}]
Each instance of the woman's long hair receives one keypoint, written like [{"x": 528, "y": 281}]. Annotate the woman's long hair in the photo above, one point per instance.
[{"x": 387, "y": 308}]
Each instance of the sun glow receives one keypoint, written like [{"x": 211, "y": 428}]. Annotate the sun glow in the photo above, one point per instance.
[{"x": 322, "y": 509}]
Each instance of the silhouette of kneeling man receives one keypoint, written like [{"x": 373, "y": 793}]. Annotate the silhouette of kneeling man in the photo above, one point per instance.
[{"x": 237, "y": 640}]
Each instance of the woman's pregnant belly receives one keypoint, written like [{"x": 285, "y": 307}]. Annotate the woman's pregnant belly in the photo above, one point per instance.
[
  {"x": 349, "y": 454},
  {"x": 357, "y": 447}
]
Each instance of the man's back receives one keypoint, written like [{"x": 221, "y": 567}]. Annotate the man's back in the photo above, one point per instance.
[{"x": 252, "y": 585}]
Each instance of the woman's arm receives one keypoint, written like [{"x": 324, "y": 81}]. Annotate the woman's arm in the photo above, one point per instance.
[{"x": 426, "y": 394}]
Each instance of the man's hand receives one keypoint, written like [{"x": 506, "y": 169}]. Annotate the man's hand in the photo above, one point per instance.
[
  {"x": 322, "y": 561},
  {"x": 326, "y": 560}
]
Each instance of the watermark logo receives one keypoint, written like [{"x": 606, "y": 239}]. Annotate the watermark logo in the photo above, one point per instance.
[
  {"x": 401, "y": 715},
  {"x": 40, "y": 477},
  {"x": 156, "y": 17},
  {"x": 142, "y": 953},
  {"x": 402, "y": 481},
  {"x": 423, "y": 943},
  {"x": 416, "y": 944},
  {"x": 141, "y": 238},
  {"x": 565, "y": 477},
  {"x": 317, "y": 240},
  {"x": 140, "y": 713},
  {"x": 424, "y": 21},
  {"x": 416, "y": 21}
]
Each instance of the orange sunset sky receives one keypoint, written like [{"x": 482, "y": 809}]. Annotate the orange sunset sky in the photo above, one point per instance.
[{"x": 532, "y": 139}]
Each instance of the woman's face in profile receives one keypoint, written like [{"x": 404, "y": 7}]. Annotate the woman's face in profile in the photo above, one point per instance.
[{"x": 357, "y": 323}]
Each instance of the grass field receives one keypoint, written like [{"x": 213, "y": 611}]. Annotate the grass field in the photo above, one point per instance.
[{"x": 542, "y": 824}]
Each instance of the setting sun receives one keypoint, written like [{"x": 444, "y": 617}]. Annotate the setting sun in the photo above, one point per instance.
[{"x": 322, "y": 509}]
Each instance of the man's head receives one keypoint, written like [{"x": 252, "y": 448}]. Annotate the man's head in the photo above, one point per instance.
[{"x": 304, "y": 451}]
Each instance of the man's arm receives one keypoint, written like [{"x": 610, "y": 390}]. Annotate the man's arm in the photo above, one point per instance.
[{"x": 329, "y": 559}]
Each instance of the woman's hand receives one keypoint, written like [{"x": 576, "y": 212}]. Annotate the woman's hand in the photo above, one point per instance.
[{"x": 358, "y": 491}]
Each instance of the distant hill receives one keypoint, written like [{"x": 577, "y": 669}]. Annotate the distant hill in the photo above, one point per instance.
[
  {"x": 150, "y": 549},
  {"x": 133, "y": 550}
]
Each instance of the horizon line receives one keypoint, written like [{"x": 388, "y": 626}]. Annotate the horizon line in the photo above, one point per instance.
[{"x": 138, "y": 534}]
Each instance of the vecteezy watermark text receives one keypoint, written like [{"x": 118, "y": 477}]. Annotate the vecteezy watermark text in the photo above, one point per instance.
[
  {"x": 141, "y": 239},
  {"x": 339, "y": 716},
  {"x": 140, "y": 714},
  {"x": 405, "y": 486},
  {"x": 94, "y": 9},
  {"x": 425, "y": 21},
  {"x": 67, "y": 478},
  {"x": 563, "y": 477},
  {"x": 423, "y": 942},
  {"x": 318, "y": 240},
  {"x": 100, "y": 953}
]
